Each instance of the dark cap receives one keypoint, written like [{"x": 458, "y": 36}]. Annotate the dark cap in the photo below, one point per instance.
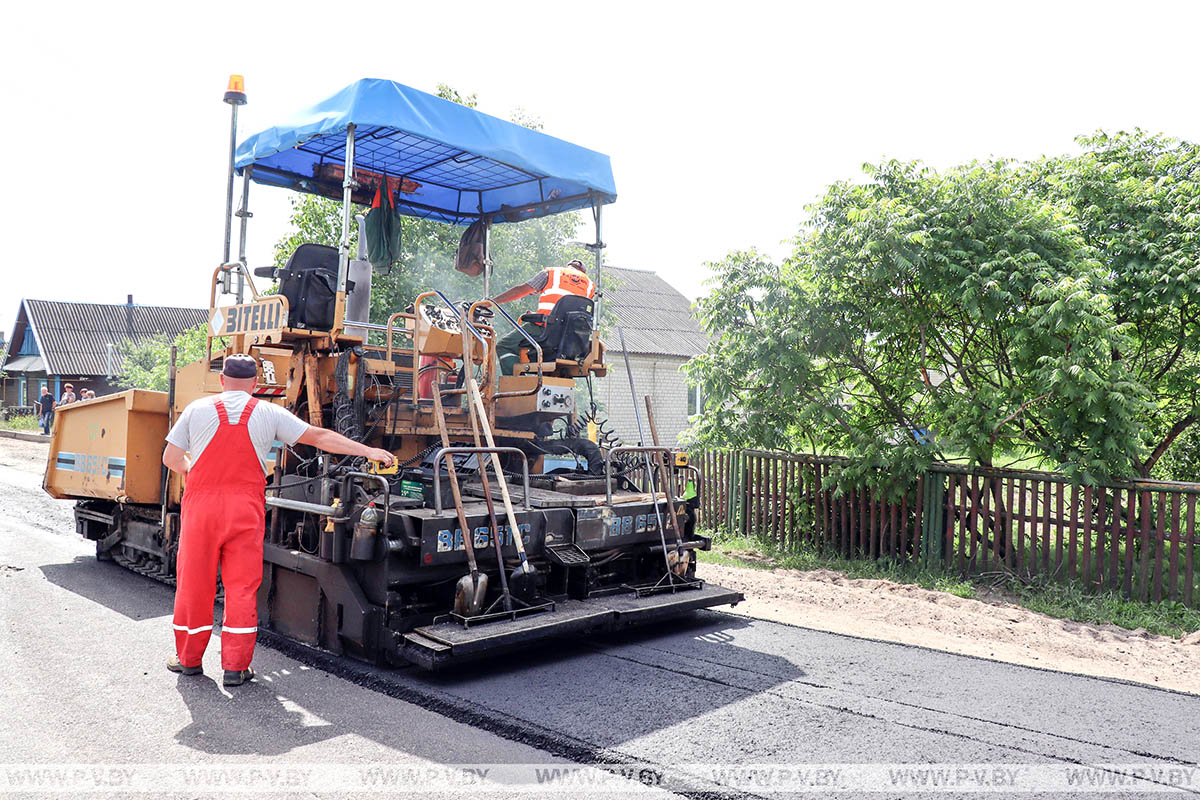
[
  {"x": 576, "y": 263},
  {"x": 240, "y": 366}
]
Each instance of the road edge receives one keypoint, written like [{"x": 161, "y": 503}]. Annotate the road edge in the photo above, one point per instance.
[{"x": 24, "y": 437}]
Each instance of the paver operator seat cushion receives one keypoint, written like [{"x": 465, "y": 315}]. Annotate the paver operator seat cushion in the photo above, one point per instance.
[
  {"x": 309, "y": 282},
  {"x": 566, "y": 332}
]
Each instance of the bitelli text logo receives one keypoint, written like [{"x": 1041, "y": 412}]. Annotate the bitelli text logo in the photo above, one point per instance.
[{"x": 247, "y": 318}]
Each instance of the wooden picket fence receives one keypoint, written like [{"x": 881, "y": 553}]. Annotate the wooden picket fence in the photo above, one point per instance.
[{"x": 1138, "y": 538}]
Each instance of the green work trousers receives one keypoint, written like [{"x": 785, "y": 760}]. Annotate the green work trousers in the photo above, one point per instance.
[{"x": 508, "y": 349}]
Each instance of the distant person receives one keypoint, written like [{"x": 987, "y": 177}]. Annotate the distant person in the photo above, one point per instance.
[
  {"x": 46, "y": 406},
  {"x": 552, "y": 284},
  {"x": 68, "y": 395},
  {"x": 221, "y": 444}
]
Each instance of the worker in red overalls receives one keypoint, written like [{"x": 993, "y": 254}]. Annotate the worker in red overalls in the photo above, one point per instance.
[{"x": 221, "y": 444}]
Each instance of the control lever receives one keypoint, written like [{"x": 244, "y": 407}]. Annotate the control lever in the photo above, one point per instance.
[{"x": 482, "y": 315}]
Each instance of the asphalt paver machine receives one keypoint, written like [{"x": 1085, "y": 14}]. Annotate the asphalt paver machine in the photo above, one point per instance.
[{"x": 471, "y": 544}]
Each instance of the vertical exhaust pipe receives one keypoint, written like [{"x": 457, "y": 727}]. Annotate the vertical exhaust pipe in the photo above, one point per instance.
[{"x": 235, "y": 95}]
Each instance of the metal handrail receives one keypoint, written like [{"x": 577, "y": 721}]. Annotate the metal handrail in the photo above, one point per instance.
[
  {"x": 226, "y": 267},
  {"x": 477, "y": 451},
  {"x": 466, "y": 325},
  {"x": 626, "y": 448},
  {"x": 391, "y": 320},
  {"x": 323, "y": 510},
  {"x": 474, "y": 331},
  {"x": 524, "y": 333},
  {"x": 416, "y": 357},
  {"x": 371, "y": 326},
  {"x": 301, "y": 505}
]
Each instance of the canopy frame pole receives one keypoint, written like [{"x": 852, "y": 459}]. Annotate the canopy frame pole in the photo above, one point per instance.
[
  {"x": 244, "y": 215},
  {"x": 348, "y": 186},
  {"x": 233, "y": 115},
  {"x": 597, "y": 249},
  {"x": 487, "y": 256}
]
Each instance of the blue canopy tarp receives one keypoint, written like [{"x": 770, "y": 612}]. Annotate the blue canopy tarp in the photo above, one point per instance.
[{"x": 443, "y": 161}]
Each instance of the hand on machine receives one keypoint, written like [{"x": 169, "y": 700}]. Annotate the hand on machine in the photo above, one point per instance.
[
  {"x": 379, "y": 468},
  {"x": 382, "y": 457}
]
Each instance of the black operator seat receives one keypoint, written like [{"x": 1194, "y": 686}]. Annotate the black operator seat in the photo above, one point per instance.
[
  {"x": 567, "y": 332},
  {"x": 309, "y": 282}
]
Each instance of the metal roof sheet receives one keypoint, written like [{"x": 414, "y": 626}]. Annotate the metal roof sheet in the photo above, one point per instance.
[
  {"x": 25, "y": 364},
  {"x": 74, "y": 337},
  {"x": 655, "y": 317}
]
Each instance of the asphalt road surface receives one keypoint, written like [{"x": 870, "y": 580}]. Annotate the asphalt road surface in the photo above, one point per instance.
[{"x": 83, "y": 646}]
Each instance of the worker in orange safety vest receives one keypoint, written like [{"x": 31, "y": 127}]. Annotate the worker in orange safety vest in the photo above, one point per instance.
[{"x": 553, "y": 284}]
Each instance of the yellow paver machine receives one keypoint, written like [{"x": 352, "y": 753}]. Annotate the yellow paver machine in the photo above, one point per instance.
[{"x": 502, "y": 522}]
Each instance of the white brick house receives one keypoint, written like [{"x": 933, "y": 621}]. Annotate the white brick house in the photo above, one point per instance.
[{"x": 662, "y": 334}]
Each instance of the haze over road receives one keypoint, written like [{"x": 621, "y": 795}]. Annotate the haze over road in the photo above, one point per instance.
[{"x": 83, "y": 646}]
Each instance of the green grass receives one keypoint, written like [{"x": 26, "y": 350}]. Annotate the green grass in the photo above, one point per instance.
[
  {"x": 1070, "y": 602},
  {"x": 25, "y": 422},
  {"x": 1053, "y": 599}
]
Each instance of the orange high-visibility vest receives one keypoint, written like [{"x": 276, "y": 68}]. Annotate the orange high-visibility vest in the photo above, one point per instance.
[{"x": 562, "y": 281}]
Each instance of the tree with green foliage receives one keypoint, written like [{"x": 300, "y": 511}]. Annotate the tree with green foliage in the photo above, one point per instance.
[
  {"x": 926, "y": 317},
  {"x": 145, "y": 363},
  {"x": 1136, "y": 200}
]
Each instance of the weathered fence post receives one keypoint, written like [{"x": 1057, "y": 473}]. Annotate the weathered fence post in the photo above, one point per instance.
[
  {"x": 741, "y": 494},
  {"x": 933, "y": 521}
]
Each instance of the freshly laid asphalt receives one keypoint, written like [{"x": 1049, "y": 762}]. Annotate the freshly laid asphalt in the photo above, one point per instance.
[{"x": 83, "y": 646}]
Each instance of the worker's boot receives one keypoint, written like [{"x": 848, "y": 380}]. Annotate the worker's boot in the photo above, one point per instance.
[
  {"x": 234, "y": 677},
  {"x": 174, "y": 665}
]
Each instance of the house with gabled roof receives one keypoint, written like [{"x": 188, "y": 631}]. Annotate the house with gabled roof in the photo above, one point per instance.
[
  {"x": 661, "y": 335},
  {"x": 54, "y": 343}
]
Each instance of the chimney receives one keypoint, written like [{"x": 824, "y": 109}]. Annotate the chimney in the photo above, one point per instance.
[{"x": 129, "y": 316}]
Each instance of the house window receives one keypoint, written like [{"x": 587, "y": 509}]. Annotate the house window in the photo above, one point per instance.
[{"x": 695, "y": 401}]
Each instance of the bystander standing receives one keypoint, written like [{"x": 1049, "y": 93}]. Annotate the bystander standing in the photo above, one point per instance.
[{"x": 46, "y": 406}]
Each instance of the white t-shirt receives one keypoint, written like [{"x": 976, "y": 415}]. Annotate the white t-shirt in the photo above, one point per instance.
[{"x": 269, "y": 423}]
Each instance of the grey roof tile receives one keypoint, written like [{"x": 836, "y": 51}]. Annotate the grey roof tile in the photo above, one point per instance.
[
  {"x": 654, "y": 316},
  {"x": 74, "y": 337}
]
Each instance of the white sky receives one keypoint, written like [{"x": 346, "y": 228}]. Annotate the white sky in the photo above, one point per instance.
[{"x": 722, "y": 120}]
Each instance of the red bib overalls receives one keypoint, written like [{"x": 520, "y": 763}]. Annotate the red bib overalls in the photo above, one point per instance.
[{"x": 222, "y": 524}]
